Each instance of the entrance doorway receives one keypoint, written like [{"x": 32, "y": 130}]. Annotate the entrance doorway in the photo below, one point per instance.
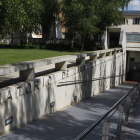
[{"x": 114, "y": 39}]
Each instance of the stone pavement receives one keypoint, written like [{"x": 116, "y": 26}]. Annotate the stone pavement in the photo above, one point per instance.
[{"x": 70, "y": 122}]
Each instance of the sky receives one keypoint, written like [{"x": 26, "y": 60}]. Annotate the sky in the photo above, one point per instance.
[{"x": 134, "y": 5}]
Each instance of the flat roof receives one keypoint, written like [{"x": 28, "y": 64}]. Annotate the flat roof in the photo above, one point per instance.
[{"x": 131, "y": 12}]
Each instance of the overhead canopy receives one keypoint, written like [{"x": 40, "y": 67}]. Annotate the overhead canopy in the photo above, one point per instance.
[{"x": 114, "y": 29}]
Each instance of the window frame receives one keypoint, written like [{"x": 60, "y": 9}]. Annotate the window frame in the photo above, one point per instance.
[{"x": 136, "y": 21}]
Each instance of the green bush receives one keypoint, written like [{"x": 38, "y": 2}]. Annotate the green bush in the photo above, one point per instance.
[
  {"x": 1, "y": 43},
  {"x": 61, "y": 47},
  {"x": 26, "y": 46}
]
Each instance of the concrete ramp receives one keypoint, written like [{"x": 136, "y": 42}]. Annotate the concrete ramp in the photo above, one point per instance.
[{"x": 70, "y": 122}]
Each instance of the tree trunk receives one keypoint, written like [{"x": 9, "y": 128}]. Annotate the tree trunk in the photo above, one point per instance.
[
  {"x": 72, "y": 43},
  {"x": 12, "y": 40},
  {"x": 82, "y": 45},
  {"x": 21, "y": 39},
  {"x": 48, "y": 31}
]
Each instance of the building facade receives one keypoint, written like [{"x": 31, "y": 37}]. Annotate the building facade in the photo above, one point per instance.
[{"x": 114, "y": 38}]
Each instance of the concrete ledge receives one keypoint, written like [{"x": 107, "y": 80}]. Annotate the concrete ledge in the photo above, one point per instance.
[{"x": 6, "y": 69}]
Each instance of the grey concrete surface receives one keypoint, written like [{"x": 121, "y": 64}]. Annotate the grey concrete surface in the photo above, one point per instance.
[{"x": 70, "y": 122}]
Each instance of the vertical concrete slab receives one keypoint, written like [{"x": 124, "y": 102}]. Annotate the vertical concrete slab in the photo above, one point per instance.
[
  {"x": 70, "y": 91},
  {"x": 39, "y": 103},
  {"x": 95, "y": 81},
  {"x": 59, "y": 94},
  {"x": 123, "y": 39}
]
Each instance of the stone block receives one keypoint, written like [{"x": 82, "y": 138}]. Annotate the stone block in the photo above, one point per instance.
[
  {"x": 93, "y": 57},
  {"x": 61, "y": 66},
  {"x": 80, "y": 61},
  {"x": 27, "y": 75}
]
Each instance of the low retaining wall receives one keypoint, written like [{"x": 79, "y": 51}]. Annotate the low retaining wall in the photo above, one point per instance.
[{"x": 36, "y": 97}]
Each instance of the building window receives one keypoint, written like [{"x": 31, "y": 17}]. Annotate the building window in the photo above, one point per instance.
[
  {"x": 136, "y": 21},
  {"x": 133, "y": 37},
  {"x": 123, "y": 21}
]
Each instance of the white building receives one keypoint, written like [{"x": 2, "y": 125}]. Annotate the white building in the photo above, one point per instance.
[{"x": 127, "y": 35}]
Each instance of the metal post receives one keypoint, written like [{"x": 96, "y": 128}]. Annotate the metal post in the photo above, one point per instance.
[
  {"x": 138, "y": 90},
  {"x": 120, "y": 120},
  {"x": 128, "y": 109},
  {"x": 135, "y": 95},
  {"x": 132, "y": 102},
  {"x": 106, "y": 128}
]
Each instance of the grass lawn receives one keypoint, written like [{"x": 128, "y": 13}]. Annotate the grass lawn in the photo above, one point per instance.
[{"x": 9, "y": 56}]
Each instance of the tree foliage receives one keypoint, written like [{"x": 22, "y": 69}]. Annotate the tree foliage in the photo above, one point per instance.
[
  {"x": 21, "y": 15},
  {"x": 87, "y": 17},
  {"x": 91, "y": 16}
]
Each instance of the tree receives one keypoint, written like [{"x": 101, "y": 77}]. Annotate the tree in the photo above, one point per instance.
[
  {"x": 19, "y": 15},
  {"x": 91, "y": 17},
  {"x": 48, "y": 18}
]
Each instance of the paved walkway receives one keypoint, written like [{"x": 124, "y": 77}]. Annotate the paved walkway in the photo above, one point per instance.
[{"x": 69, "y": 123}]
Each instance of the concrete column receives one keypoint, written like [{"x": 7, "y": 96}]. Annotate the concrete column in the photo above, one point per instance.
[
  {"x": 93, "y": 57},
  {"x": 80, "y": 61},
  {"x": 27, "y": 75},
  {"x": 108, "y": 39},
  {"x": 62, "y": 66}
]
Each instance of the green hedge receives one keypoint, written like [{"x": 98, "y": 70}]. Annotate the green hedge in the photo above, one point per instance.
[{"x": 49, "y": 46}]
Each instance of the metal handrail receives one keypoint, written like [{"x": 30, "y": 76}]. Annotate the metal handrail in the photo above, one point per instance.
[
  {"x": 82, "y": 135},
  {"x": 81, "y": 81}
]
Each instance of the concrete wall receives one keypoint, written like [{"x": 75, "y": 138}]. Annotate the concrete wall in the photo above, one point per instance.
[
  {"x": 34, "y": 98},
  {"x": 130, "y": 27},
  {"x": 133, "y": 45}
]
